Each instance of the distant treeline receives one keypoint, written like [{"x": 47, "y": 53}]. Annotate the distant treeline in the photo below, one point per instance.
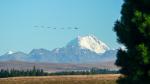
[
  {"x": 40, "y": 72},
  {"x": 87, "y": 72},
  {"x": 16, "y": 73}
]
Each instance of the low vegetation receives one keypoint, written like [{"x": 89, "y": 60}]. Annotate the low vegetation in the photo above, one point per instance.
[{"x": 67, "y": 79}]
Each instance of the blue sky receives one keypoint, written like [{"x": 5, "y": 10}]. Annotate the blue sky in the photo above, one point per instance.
[{"x": 18, "y": 18}]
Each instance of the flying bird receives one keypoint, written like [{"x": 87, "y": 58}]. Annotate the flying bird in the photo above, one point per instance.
[
  {"x": 76, "y": 28},
  {"x": 36, "y": 26},
  {"x": 42, "y": 26},
  {"x": 63, "y": 28}
]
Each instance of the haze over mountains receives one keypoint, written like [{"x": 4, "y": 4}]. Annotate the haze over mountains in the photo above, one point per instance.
[{"x": 83, "y": 49}]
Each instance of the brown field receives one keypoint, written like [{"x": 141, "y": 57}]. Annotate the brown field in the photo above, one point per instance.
[{"x": 70, "y": 79}]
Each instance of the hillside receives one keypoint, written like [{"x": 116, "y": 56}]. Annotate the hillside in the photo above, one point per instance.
[{"x": 55, "y": 67}]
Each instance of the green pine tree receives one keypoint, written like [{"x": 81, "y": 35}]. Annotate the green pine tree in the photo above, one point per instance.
[{"x": 133, "y": 31}]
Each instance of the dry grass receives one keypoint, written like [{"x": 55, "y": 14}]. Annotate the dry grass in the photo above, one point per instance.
[{"x": 76, "y": 79}]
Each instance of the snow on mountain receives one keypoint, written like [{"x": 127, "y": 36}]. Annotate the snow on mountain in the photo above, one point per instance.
[
  {"x": 20, "y": 56},
  {"x": 89, "y": 42},
  {"x": 83, "y": 49},
  {"x": 10, "y": 52}
]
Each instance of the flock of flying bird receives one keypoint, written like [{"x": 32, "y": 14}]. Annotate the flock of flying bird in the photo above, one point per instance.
[{"x": 69, "y": 28}]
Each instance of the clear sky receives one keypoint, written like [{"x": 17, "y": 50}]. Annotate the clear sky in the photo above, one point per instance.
[{"x": 18, "y": 18}]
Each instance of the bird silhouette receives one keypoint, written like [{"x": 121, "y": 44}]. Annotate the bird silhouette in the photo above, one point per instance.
[
  {"x": 63, "y": 28},
  {"x": 69, "y": 27},
  {"x": 36, "y": 26},
  {"x": 42, "y": 26},
  {"x": 76, "y": 28}
]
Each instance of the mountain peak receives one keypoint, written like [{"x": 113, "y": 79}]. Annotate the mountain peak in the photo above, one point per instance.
[
  {"x": 83, "y": 49},
  {"x": 40, "y": 51},
  {"x": 89, "y": 42},
  {"x": 10, "y": 52}
]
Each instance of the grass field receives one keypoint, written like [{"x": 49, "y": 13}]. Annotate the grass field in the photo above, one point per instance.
[{"x": 70, "y": 79}]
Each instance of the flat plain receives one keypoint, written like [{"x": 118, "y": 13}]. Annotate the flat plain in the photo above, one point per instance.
[{"x": 69, "y": 79}]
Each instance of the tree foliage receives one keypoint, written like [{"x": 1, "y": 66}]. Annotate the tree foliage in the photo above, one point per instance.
[
  {"x": 16, "y": 73},
  {"x": 133, "y": 31},
  {"x": 86, "y": 72}
]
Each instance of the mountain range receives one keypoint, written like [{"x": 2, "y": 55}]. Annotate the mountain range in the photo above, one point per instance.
[{"x": 83, "y": 49}]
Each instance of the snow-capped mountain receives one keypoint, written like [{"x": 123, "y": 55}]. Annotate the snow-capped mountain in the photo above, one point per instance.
[
  {"x": 10, "y": 52},
  {"x": 89, "y": 42},
  {"x": 83, "y": 49},
  {"x": 9, "y": 56}
]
